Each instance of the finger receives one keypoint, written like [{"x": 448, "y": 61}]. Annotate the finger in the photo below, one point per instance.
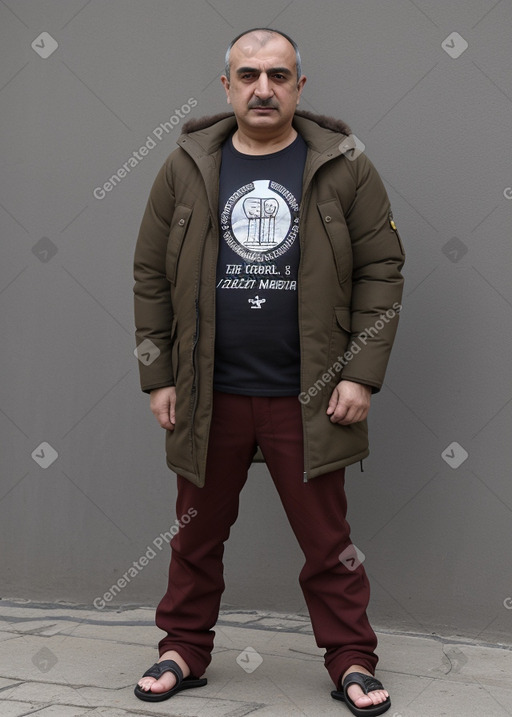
[
  {"x": 355, "y": 414},
  {"x": 164, "y": 421},
  {"x": 333, "y": 401},
  {"x": 340, "y": 412}
]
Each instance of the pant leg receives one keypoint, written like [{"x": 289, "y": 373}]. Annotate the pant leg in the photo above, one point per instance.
[
  {"x": 189, "y": 609},
  {"x": 336, "y": 596}
]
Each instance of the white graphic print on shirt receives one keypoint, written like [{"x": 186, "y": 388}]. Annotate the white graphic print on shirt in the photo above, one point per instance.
[{"x": 260, "y": 221}]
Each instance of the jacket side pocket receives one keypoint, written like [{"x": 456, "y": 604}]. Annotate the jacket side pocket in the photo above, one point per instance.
[
  {"x": 339, "y": 237},
  {"x": 340, "y": 339},
  {"x": 174, "y": 349},
  {"x": 177, "y": 232}
]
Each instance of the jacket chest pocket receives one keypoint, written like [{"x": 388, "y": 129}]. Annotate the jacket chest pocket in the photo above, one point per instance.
[
  {"x": 179, "y": 226},
  {"x": 333, "y": 221}
]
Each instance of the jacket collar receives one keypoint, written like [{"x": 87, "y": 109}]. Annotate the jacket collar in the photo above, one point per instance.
[{"x": 321, "y": 133}]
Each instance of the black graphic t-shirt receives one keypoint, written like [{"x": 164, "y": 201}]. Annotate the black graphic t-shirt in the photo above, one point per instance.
[{"x": 257, "y": 333}]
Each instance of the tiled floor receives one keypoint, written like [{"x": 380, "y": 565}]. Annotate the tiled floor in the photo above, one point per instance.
[{"x": 58, "y": 661}]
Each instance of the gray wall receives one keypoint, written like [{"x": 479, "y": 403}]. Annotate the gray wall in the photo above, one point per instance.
[{"x": 436, "y": 537}]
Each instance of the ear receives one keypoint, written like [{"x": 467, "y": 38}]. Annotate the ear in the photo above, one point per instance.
[
  {"x": 300, "y": 87},
  {"x": 225, "y": 82}
]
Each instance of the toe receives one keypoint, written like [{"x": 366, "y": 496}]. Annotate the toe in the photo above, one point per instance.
[
  {"x": 381, "y": 695},
  {"x": 146, "y": 682},
  {"x": 165, "y": 683},
  {"x": 358, "y": 697}
]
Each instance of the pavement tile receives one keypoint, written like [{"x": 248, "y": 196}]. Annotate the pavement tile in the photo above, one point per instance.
[
  {"x": 41, "y": 627},
  {"x": 62, "y": 711},
  {"x": 410, "y": 655},
  {"x": 189, "y": 704},
  {"x": 449, "y": 698},
  {"x": 228, "y": 617},
  {"x": 15, "y": 709},
  {"x": 44, "y": 693},
  {"x": 7, "y": 683},
  {"x": 19, "y": 709},
  {"x": 489, "y": 666},
  {"x": 67, "y": 660},
  {"x": 277, "y": 624},
  {"x": 192, "y": 703},
  {"x": 143, "y": 635},
  {"x": 7, "y": 636},
  {"x": 60, "y": 662},
  {"x": 290, "y": 685},
  {"x": 238, "y": 638}
]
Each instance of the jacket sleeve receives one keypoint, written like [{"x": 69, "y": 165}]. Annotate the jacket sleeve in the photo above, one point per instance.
[
  {"x": 377, "y": 281},
  {"x": 152, "y": 297}
]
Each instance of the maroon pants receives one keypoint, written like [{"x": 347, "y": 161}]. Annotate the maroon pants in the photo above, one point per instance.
[{"x": 336, "y": 596}]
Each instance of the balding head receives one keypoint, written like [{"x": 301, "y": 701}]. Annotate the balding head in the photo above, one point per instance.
[{"x": 253, "y": 40}]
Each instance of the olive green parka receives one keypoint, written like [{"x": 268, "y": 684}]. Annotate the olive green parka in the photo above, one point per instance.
[{"x": 349, "y": 287}]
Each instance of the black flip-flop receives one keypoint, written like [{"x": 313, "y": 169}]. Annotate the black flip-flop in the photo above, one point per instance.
[
  {"x": 182, "y": 683},
  {"x": 367, "y": 683}
]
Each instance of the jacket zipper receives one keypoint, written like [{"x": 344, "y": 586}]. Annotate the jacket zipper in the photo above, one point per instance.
[
  {"x": 305, "y": 192},
  {"x": 193, "y": 405}
]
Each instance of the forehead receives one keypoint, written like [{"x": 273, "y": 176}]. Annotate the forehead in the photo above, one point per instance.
[{"x": 261, "y": 50}]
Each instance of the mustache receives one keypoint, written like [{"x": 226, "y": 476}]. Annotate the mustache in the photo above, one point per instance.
[{"x": 262, "y": 103}]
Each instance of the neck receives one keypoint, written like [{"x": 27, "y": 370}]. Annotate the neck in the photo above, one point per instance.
[{"x": 253, "y": 143}]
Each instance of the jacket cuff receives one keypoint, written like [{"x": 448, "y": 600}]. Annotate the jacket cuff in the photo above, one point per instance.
[{"x": 147, "y": 388}]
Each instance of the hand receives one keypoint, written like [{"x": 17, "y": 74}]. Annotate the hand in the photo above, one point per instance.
[
  {"x": 163, "y": 405},
  {"x": 349, "y": 403}
]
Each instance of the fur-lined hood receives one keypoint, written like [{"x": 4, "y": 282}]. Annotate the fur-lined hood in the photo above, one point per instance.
[
  {"x": 323, "y": 135},
  {"x": 331, "y": 123}
]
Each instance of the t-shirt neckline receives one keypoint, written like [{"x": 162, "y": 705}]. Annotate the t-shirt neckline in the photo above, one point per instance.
[{"x": 242, "y": 155}]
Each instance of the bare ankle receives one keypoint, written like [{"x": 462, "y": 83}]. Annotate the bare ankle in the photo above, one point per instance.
[
  {"x": 173, "y": 655},
  {"x": 355, "y": 668}
]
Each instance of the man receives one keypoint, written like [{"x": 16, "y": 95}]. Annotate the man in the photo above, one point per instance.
[{"x": 271, "y": 333}]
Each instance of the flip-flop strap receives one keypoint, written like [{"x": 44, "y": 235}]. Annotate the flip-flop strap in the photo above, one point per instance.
[
  {"x": 159, "y": 668},
  {"x": 366, "y": 682}
]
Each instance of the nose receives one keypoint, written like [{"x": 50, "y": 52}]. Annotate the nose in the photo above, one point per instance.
[{"x": 263, "y": 90}]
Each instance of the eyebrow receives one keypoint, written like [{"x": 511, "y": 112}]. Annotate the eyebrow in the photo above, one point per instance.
[{"x": 271, "y": 71}]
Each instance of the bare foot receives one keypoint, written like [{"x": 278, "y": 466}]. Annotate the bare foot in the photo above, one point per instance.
[
  {"x": 356, "y": 694},
  {"x": 168, "y": 680}
]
